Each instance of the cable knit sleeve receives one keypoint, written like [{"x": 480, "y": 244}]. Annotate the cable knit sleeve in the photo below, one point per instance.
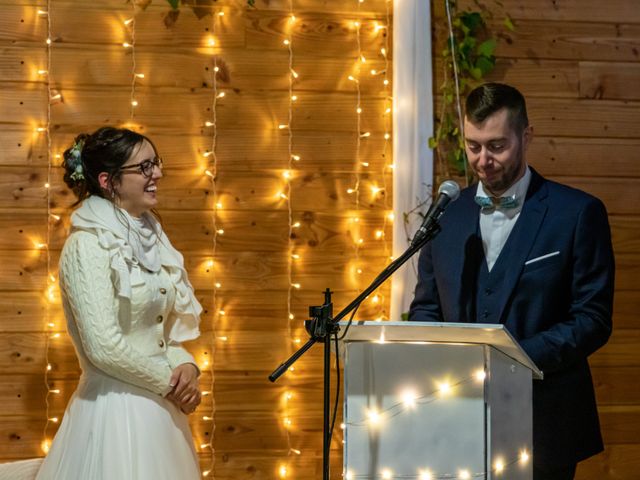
[
  {"x": 87, "y": 288},
  {"x": 178, "y": 355}
]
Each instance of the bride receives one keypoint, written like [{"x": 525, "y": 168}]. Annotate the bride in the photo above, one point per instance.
[{"x": 129, "y": 305}]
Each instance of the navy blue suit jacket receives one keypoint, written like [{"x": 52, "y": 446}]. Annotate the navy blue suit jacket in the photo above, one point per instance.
[{"x": 559, "y": 308}]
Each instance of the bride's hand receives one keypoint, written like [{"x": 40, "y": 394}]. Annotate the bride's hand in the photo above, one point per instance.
[{"x": 185, "y": 393}]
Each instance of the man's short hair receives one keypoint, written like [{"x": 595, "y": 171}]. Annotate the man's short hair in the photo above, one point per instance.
[{"x": 489, "y": 98}]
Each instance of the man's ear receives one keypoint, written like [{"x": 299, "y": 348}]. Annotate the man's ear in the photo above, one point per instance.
[{"x": 527, "y": 136}]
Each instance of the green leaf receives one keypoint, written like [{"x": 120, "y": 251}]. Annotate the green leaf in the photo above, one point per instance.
[
  {"x": 404, "y": 316},
  {"x": 174, "y": 4},
  {"x": 509, "y": 23},
  {"x": 485, "y": 65},
  {"x": 472, "y": 20},
  {"x": 487, "y": 48},
  {"x": 433, "y": 143},
  {"x": 476, "y": 73}
]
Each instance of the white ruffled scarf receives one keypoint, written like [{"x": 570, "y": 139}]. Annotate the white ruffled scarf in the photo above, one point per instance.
[{"x": 131, "y": 240}]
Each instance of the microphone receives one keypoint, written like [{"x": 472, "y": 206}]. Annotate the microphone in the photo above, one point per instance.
[{"x": 448, "y": 192}]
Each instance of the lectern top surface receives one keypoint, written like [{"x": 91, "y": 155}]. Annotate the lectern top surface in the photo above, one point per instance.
[{"x": 495, "y": 335}]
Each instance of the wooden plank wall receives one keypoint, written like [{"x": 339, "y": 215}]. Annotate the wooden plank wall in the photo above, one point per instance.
[
  {"x": 93, "y": 72},
  {"x": 576, "y": 61}
]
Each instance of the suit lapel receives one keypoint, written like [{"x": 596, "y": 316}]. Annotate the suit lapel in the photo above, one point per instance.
[{"x": 523, "y": 237}]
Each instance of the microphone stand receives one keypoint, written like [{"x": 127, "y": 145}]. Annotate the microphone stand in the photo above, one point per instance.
[{"x": 323, "y": 325}]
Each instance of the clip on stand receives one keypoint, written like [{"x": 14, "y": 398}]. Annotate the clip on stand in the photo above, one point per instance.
[{"x": 322, "y": 326}]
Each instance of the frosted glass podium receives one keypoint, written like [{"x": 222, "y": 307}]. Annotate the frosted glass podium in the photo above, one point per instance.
[{"x": 434, "y": 401}]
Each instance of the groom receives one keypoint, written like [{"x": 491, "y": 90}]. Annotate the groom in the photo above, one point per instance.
[{"x": 531, "y": 254}]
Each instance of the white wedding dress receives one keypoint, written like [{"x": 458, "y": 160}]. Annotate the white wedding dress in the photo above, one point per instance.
[{"x": 118, "y": 425}]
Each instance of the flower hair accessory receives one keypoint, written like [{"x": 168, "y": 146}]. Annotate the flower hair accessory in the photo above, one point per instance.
[{"x": 75, "y": 158}]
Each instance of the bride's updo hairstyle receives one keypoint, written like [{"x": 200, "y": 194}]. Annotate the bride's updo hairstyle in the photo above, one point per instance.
[{"x": 104, "y": 150}]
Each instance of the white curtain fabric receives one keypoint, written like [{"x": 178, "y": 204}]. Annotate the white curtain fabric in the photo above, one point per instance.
[{"x": 412, "y": 127}]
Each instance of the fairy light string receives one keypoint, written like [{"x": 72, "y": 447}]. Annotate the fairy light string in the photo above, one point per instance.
[
  {"x": 51, "y": 281},
  {"x": 211, "y": 171}
]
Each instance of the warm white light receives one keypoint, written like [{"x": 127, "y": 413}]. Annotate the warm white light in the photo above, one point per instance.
[
  {"x": 206, "y": 473},
  {"x": 297, "y": 341},
  {"x": 216, "y": 69},
  {"x": 291, "y": 316},
  {"x": 295, "y": 450},
  {"x": 499, "y": 466},
  {"x": 282, "y": 126},
  {"x": 356, "y": 24},
  {"x": 350, "y": 190},
  {"x": 363, "y": 59},
  {"x": 223, "y": 338},
  {"x": 391, "y": 217},
  {"x": 286, "y": 41},
  {"x": 379, "y": 234},
  {"x": 128, "y": 21},
  {"x": 220, "y": 231},
  {"x": 296, "y": 285},
  {"x": 209, "y": 173},
  {"x": 374, "y": 416},
  {"x": 45, "y": 445},
  {"x": 295, "y": 256},
  {"x": 409, "y": 398},
  {"x": 209, "y": 124},
  {"x": 47, "y": 185},
  {"x": 294, "y": 73},
  {"x": 282, "y": 471},
  {"x": 296, "y": 225},
  {"x": 218, "y": 285},
  {"x": 383, "y": 51},
  {"x": 364, "y": 164},
  {"x": 524, "y": 456},
  {"x": 48, "y": 41},
  {"x": 206, "y": 418},
  {"x": 292, "y": 18},
  {"x": 353, "y": 79},
  {"x": 287, "y": 422},
  {"x": 295, "y": 158},
  {"x": 387, "y": 136},
  {"x": 211, "y": 42},
  {"x": 42, "y": 72},
  {"x": 375, "y": 299},
  {"x": 425, "y": 475},
  {"x": 444, "y": 388},
  {"x": 294, "y": 98},
  {"x": 49, "y": 367},
  {"x": 43, "y": 12},
  {"x": 126, "y": 45},
  {"x": 221, "y": 14},
  {"x": 219, "y": 205},
  {"x": 480, "y": 375},
  {"x": 54, "y": 419},
  {"x": 358, "y": 110},
  {"x": 134, "y": 103},
  {"x": 464, "y": 475},
  {"x": 386, "y": 474},
  {"x": 221, "y": 95},
  {"x": 365, "y": 134},
  {"x": 221, "y": 312},
  {"x": 349, "y": 475},
  {"x": 286, "y": 174},
  {"x": 376, "y": 190},
  {"x": 55, "y": 390},
  {"x": 207, "y": 153},
  {"x": 385, "y": 82}
]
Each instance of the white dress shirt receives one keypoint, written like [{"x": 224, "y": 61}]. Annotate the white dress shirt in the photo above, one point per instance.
[{"x": 496, "y": 223}]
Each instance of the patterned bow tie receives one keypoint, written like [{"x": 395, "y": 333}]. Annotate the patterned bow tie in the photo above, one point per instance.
[{"x": 497, "y": 202}]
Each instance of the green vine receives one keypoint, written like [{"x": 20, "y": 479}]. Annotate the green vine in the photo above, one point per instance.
[{"x": 470, "y": 45}]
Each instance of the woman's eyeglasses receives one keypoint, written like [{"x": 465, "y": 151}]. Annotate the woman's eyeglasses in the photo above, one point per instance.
[{"x": 145, "y": 167}]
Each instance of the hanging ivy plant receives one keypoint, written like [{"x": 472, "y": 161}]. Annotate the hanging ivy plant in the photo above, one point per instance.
[{"x": 469, "y": 53}]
